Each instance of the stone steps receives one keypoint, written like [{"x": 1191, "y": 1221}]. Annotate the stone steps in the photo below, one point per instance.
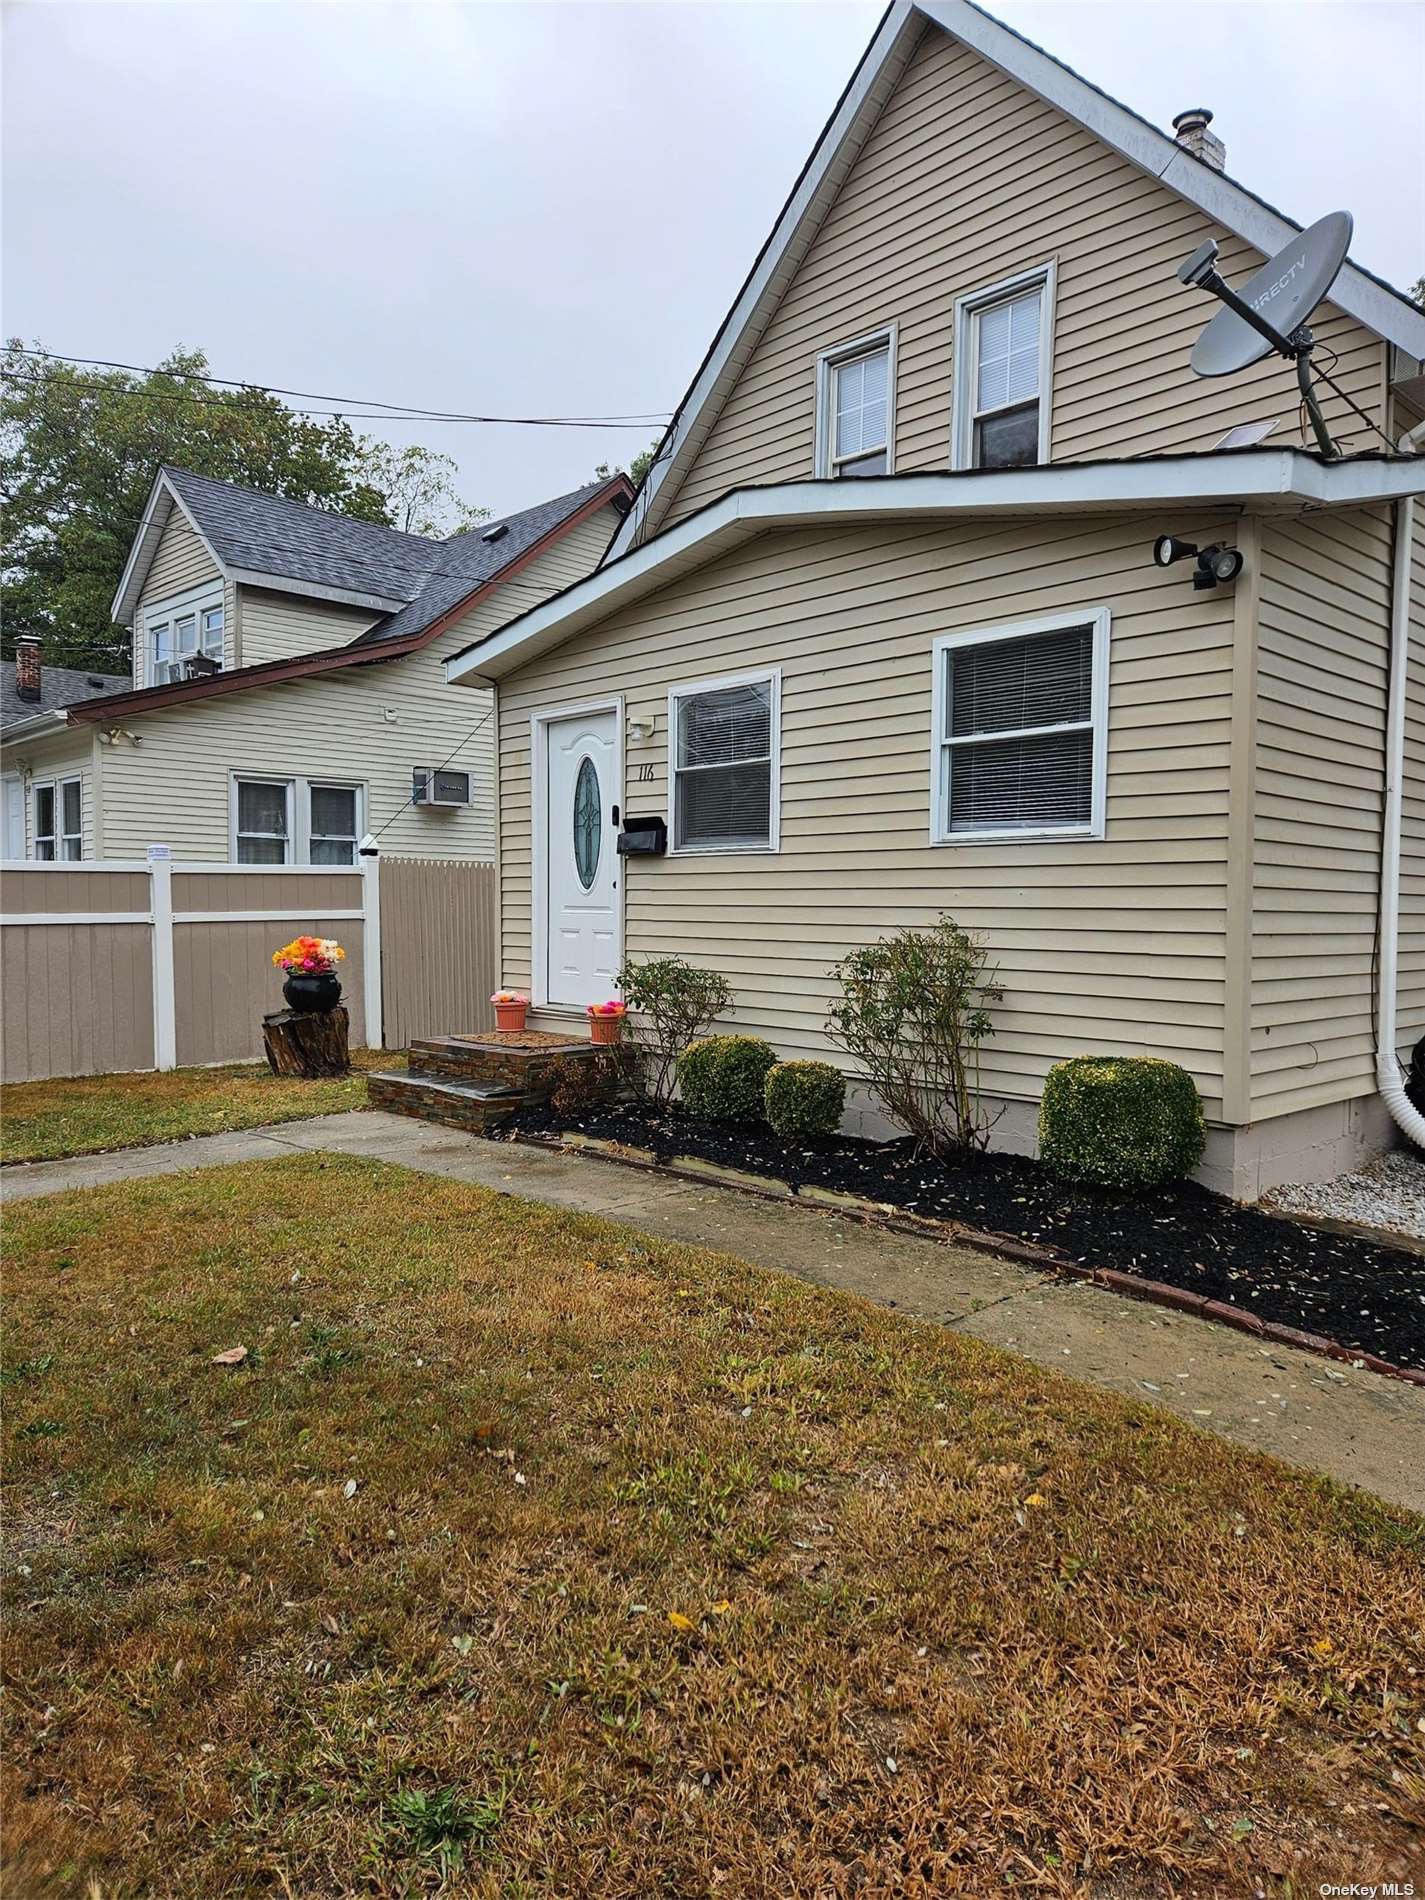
[{"x": 472, "y": 1082}]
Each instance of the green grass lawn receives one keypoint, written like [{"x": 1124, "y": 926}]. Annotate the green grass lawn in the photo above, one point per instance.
[
  {"x": 526, "y": 1556},
  {"x": 88, "y": 1114}
]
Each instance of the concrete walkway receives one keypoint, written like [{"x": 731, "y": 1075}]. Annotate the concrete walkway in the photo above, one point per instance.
[{"x": 1356, "y": 1426}]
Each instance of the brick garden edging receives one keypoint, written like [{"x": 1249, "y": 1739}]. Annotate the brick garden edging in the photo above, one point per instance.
[{"x": 1004, "y": 1246}]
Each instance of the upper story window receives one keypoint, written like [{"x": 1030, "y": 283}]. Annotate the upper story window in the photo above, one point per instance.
[
  {"x": 1019, "y": 744},
  {"x": 855, "y": 426},
  {"x": 724, "y": 739},
  {"x": 184, "y": 639},
  {"x": 1003, "y": 363},
  {"x": 57, "y": 808}
]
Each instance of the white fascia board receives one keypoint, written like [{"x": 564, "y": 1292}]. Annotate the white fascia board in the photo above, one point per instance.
[
  {"x": 40, "y": 725},
  {"x": 1257, "y": 478},
  {"x": 1155, "y": 152},
  {"x": 313, "y": 590},
  {"x": 879, "y": 70},
  {"x": 124, "y": 605}
]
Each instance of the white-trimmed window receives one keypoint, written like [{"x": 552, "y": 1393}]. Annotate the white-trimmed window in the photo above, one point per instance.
[
  {"x": 57, "y": 820},
  {"x": 262, "y": 821},
  {"x": 183, "y": 638},
  {"x": 1019, "y": 745},
  {"x": 1004, "y": 350},
  {"x": 333, "y": 823},
  {"x": 724, "y": 743},
  {"x": 296, "y": 820},
  {"x": 855, "y": 406}
]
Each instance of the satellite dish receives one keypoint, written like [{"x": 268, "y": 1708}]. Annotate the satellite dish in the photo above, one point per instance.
[{"x": 1282, "y": 295}]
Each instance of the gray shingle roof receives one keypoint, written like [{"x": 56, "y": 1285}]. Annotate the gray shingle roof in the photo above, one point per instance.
[
  {"x": 59, "y": 686},
  {"x": 292, "y": 541}
]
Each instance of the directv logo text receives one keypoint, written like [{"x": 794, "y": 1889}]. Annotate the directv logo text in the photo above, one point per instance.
[{"x": 1275, "y": 290}]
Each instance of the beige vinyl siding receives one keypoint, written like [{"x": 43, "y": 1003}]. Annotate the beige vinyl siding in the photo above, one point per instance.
[
  {"x": 277, "y": 626},
  {"x": 70, "y": 754},
  {"x": 968, "y": 179},
  {"x": 1322, "y": 668},
  {"x": 1410, "y": 1011},
  {"x": 1102, "y": 945},
  {"x": 181, "y": 563},
  {"x": 175, "y": 788}
]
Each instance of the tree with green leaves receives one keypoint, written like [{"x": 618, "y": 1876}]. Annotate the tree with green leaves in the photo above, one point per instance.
[
  {"x": 420, "y": 491},
  {"x": 79, "y": 448},
  {"x": 636, "y": 469}
]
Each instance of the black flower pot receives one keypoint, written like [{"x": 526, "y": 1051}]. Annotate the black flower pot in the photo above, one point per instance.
[{"x": 310, "y": 990}]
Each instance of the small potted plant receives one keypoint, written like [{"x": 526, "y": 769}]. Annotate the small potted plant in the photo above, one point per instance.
[
  {"x": 510, "y": 1008},
  {"x": 606, "y": 1020},
  {"x": 310, "y": 963}
]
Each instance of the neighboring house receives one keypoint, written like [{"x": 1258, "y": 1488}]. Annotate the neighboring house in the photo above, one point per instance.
[
  {"x": 33, "y": 701},
  {"x": 288, "y": 690},
  {"x": 958, "y": 683}
]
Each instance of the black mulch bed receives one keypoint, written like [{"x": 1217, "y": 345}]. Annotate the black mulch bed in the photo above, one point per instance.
[{"x": 1367, "y": 1297}]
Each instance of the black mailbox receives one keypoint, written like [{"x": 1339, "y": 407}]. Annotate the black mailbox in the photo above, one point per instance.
[{"x": 643, "y": 838}]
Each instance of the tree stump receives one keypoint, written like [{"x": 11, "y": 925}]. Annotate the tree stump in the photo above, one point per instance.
[{"x": 308, "y": 1043}]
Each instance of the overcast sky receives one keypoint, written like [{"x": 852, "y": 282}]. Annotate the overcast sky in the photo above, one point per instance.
[{"x": 548, "y": 208}]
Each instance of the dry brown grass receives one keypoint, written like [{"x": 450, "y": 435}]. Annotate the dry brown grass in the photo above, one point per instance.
[
  {"x": 662, "y": 1576},
  {"x": 91, "y": 1114}
]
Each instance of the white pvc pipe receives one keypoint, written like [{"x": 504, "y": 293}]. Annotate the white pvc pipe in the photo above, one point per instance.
[{"x": 1388, "y": 1078}]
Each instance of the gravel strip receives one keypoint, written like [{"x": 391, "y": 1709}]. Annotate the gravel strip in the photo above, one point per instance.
[{"x": 1389, "y": 1194}]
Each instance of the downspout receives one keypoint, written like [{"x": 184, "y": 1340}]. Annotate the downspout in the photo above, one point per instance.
[{"x": 1388, "y": 1075}]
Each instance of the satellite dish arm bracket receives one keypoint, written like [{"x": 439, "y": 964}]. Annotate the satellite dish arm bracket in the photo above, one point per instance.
[
  {"x": 1308, "y": 398},
  {"x": 1220, "y": 288}
]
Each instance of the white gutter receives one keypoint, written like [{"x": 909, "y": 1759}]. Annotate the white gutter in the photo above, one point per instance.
[
  {"x": 37, "y": 725},
  {"x": 1389, "y": 1084}
]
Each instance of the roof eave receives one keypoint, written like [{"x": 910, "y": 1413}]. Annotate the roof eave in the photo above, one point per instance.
[
  {"x": 1265, "y": 480},
  {"x": 40, "y": 725}
]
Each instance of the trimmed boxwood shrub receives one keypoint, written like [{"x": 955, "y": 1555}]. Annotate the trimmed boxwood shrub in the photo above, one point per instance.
[
  {"x": 1123, "y": 1122},
  {"x": 721, "y": 1078},
  {"x": 804, "y": 1100}
]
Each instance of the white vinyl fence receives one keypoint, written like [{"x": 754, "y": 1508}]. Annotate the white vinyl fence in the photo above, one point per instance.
[
  {"x": 151, "y": 964},
  {"x": 139, "y": 964}
]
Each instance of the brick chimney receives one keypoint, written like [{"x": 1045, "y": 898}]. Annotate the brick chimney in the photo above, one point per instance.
[
  {"x": 1190, "y": 130},
  {"x": 27, "y": 667}
]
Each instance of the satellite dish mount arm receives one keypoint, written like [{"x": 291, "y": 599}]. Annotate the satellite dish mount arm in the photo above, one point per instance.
[{"x": 1200, "y": 271}]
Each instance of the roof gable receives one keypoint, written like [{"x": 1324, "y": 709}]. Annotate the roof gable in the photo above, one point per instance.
[{"x": 1372, "y": 303}]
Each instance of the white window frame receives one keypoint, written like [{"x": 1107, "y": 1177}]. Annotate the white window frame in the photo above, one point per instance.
[
  {"x": 304, "y": 809},
  {"x": 262, "y": 778},
  {"x": 968, "y": 310},
  {"x": 828, "y": 365},
  {"x": 765, "y": 676},
  {"x": 299, "y": 813},
  {"x": 59, "y": 838},
  {"x": 1099, "y": 619},
  {"x": 196, "y": 601}
]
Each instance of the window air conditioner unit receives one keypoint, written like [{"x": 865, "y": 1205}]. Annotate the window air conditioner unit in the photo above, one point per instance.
[
  {"x": 201, "y": 666},
  {"x": 430, "y": 787}
]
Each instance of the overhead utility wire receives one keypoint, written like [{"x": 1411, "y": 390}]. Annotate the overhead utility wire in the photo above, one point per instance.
[
  {"x": 403, "y": 411},
  {"x": 437, "y": 768}
]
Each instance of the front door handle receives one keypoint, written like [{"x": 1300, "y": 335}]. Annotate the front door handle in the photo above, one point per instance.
[{"x": 615, "y": 814}]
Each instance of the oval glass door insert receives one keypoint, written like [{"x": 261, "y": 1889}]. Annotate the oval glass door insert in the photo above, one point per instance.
[{"x": 588, "y": 826}]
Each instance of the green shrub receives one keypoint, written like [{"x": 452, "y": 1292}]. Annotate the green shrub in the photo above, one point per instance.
[
  {"x": 1124, "y": 1122},
  {"x": 912, "y": 1015},
  {"x": 721, "y": 1079},
  {"x": 804, "y": 1100},
  {"x": 672, "y": 1002}
]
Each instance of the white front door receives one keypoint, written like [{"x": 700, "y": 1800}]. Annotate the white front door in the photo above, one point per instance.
[{"x": 581, "y": 866}]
